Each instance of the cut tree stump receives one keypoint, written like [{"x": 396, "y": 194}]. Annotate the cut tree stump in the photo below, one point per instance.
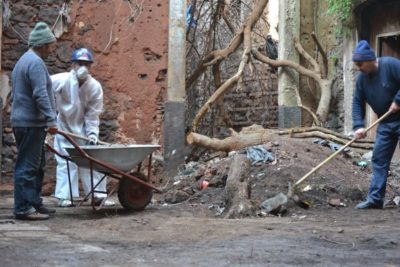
[{"x": 237, "y": 188}]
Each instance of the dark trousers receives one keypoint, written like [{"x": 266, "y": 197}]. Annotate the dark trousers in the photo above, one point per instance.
[
  {"x": 29, "y": 168},
  {"x": 387, "y": 138}
]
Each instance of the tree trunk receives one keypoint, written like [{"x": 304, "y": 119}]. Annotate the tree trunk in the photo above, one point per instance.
[
  {"x": 325, "y": 100},
  {"x": 237, "y": 189}
]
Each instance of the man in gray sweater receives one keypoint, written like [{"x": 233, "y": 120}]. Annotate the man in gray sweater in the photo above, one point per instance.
[{"x": 33, "y": 110}]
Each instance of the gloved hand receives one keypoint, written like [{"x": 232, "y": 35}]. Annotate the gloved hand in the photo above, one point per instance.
[{"x": 92, "y": 139}]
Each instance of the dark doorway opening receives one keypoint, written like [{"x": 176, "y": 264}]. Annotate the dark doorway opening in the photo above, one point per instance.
[{"x": 389, "y": 45}]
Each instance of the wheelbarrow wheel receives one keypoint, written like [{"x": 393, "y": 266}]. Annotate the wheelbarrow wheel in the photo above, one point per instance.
[{"x": 132, "y": 195}]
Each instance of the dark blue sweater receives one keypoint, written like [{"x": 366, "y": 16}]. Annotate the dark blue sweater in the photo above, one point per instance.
[
  {"x": 378, "y": 90},
  {"x": 32, "y": 95}
]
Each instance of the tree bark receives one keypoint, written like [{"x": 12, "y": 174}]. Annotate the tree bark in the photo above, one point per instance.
[
  {"x": 237, "y": 189},
  {"x": 346, "y": 138},
  {"x": 256, "y": 135},
  {"x": 245, "y": 138},
  {"x": 324, "y": 71}
]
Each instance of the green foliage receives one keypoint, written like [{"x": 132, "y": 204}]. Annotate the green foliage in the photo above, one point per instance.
[{"x": 341, "y": 8}]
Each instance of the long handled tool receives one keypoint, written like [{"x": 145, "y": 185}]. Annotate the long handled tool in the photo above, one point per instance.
[
  {"x": 338, "y": 151},
  {"x": 82, "y": 137},
  {"x": 280, "y": 199}
]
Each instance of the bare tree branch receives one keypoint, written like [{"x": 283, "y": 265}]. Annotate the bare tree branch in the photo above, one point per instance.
[
  {"x": 324, "y": 84},
  {"x": 307, "y": 56},
  {"x": 324, "y": 71},
  {"x": 221, "y": 54},
  {"x": 313, "y": 115},
  {"x": 285, "y": 63}
]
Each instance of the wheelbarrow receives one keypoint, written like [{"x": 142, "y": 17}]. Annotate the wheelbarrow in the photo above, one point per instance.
[{"x": 118, "y": 161}]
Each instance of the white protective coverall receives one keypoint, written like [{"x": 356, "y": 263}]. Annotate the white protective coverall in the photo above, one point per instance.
[{"x": 78, "y": 109}]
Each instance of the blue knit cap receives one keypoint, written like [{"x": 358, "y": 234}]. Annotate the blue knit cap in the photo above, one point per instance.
[{"x": 363, "y": 52}]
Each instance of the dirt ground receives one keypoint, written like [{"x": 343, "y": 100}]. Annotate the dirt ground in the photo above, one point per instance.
[{"x": 192, "y": 231}]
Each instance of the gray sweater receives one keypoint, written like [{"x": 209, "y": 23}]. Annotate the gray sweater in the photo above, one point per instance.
[{"x": 32, "y": 97}]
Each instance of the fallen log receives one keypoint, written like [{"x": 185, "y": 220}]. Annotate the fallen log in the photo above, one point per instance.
[
  {"x": 322, "y": 130},
  {"x": 322, "y": 133},
  {"x": 333, "y": 139},
  {"x": 256, "y": 135},
  {"x": 237, "y": 188},
  {"x": 249, "y": 136}
]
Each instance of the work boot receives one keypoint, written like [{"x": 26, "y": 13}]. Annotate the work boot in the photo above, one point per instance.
[
  {"x": 368, "y": 205},
  {"x": 44, "y": 210},
  {"x": 35, "y": 216}
]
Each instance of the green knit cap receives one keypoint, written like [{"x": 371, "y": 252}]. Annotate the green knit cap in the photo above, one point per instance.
[{"x": 41, "y": 35}]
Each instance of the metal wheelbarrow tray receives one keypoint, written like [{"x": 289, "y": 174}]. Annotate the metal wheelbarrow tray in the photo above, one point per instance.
[
  {"x": 117, "y": 161},
  {"x": 122, "y": 157}
]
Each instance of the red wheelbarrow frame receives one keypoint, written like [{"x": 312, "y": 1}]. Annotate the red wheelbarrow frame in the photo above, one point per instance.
[{"x": 114, "y": 172}]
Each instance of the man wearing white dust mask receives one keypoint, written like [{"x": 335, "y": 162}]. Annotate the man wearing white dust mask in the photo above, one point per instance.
[{"x": 79, "y": 101}]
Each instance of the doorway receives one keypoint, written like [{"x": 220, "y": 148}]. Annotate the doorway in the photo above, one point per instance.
[{"x": 388, "y": 44}]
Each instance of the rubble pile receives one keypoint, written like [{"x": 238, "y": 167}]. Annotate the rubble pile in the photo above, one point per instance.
[{"x": 341, "y": 183}]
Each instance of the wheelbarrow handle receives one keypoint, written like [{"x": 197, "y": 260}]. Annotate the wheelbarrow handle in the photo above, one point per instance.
[
  {"x": 340, "y": 150},
  {"x": 81, "y": 137}
]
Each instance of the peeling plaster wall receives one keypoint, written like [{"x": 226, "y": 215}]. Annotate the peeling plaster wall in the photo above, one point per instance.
[
  {"x": 130, "y": 51},
  {"x": 131, "y": 60}
]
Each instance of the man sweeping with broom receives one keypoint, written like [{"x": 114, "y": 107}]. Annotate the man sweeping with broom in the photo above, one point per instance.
[{"x": 378, "y": 86}]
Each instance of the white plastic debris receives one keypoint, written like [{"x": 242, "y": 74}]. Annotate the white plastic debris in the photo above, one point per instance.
[
  {"x": 307, "y": 188},
  {"x": 396, "y": 200}
]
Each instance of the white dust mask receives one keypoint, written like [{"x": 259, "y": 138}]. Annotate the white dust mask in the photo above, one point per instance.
[{"x": 82, "y": 73}]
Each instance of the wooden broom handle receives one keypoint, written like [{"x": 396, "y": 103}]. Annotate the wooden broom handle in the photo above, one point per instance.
[
  {"x": 340, "y": 150},
  {"x": 81, "y": 137}
]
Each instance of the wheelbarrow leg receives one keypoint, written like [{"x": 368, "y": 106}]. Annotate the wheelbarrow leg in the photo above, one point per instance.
[
  {"x": 149, "y": 168},
  {"x": 112, "y": 191},
  {"x": 94, "y": 189},
  {"x": 91, "y": 184},
  {"x": 70, "y": 184}
]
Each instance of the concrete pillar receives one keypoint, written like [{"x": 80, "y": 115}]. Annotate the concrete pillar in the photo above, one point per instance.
[
  {"x": 174, "y": 119},
  {"x": 289, "y": 27},
  {"x": 1, "y": 136},
  {"x": 349, "y": 76},
  {"x": 1, "y": 100}
]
